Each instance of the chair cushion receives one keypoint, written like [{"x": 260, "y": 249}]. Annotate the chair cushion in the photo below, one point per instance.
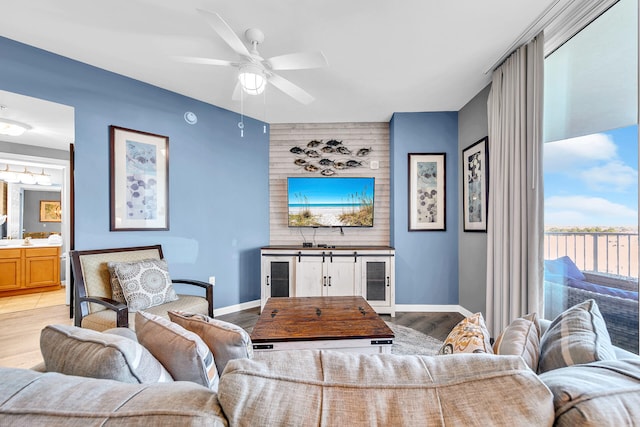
[
  {"x": 96, "y": 274},
  {"x": 83, "y": 352},
  {"x": 106, "y": 319},
  {"x": 226, "y": 340},
  {"x": 521, "y": 338},
  {"x": 578, "y": 335},
  {"x": 145, "y": 283},
  {"x": 182, "y": 352},
  {"x": 468, "y": 336}
]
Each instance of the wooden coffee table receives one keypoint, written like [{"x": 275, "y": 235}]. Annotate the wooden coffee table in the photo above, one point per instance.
[{"x": 327, "y": 323}]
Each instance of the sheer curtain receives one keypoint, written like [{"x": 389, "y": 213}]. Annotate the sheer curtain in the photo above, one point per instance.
[{"x": 515, "y": 210}]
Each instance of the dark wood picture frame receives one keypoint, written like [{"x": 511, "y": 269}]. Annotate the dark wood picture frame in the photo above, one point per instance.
[
  {"x": 427, "y": 191},
  {"x": 139, "y": 180},
  {"x": 475, "y": 185}
]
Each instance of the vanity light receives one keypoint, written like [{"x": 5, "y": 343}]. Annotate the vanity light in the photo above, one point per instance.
[{"x": 25, "y": 177}]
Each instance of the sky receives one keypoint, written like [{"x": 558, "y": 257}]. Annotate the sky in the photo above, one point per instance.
[
  {"x": 323, "y": 190},
  {"x": 592, "y": 180}
]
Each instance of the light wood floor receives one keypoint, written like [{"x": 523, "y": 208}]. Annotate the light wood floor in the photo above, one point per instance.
[{"x": 20, "y": 330}]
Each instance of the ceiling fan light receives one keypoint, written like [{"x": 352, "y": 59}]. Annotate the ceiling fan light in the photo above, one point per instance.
[
  {"x": 252, "y": 80},
  {"x": 12, "y": 128}
]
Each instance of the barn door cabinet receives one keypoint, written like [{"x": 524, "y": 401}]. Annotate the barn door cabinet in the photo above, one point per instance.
[{"x": 289, "y": 271}]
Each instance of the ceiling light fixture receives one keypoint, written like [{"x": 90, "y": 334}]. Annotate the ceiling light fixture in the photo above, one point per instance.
[
  {"x": 252, "y": 79},
  {"x": 12, "y": 128}
]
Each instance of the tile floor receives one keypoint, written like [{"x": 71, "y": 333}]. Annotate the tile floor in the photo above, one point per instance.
[{"x": 31, "y": 301}]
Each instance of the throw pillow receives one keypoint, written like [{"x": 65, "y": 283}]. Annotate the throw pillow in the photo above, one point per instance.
[
  {"x": 87, "y": 353},
  {"x": 145, "y": 283},
  {"x": 578, "y": 335},
  {"x": 521, "y": 338},
  {"x": 116, "y": 287},
  {"x": 565, "y": 267},
  {"x": 183, "y": 353},
  {"x": 226, "y": 340},
  {"x": 468, "y": 336}
]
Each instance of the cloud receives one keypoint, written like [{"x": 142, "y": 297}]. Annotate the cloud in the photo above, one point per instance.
[
  {"x": 576, "y": 152},
  {"x": 584, "y": 210},
  {"x": 613, "y": 176}
]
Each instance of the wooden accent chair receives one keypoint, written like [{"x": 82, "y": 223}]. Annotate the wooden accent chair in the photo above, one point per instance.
[{"x": 94, "y": 307}]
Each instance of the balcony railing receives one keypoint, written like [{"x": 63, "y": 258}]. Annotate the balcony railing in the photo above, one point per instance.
[{"x": 613, "y": 254}]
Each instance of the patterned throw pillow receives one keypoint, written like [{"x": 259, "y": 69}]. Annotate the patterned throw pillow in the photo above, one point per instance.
[
  {"x": 226, "y": 340},
  {"x": 116, "y": 287},
  {"x": 578, "y": 335},
  {"x": 468, "y": 336},
  {"x": 521, "y": 338},
  {"x": 145, "y": 283},
  {"x": 183, "y": 353}
]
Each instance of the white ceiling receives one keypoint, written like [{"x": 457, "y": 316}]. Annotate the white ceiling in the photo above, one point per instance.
[{"x": 384, "y": 56}]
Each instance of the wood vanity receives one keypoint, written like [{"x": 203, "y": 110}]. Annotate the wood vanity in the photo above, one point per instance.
[{"x": 29, "y": 269}]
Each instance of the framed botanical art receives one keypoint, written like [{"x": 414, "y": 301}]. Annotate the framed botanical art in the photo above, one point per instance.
[
  {"x": 475, "y": 185},
  {"x": 50, "y": 211},
  {"x": 139, "y": 175},
  {"x": 426, "y": 192}
]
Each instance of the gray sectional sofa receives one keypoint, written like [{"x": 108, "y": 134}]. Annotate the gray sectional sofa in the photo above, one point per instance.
[{"x": 584, "y": 381}]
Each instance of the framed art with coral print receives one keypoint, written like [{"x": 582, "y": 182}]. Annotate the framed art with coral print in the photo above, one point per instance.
[
  {"x": 475, "y": 185},
  {"x": 139, "y": 180},
  {"x": 427, "y": 192}
]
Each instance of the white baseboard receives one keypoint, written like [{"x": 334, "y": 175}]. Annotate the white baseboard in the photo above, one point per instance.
[
  {"x": 433, "y": 308},
  {"x": 237, "y": 307},
  {"x": 425, "y": 308}
]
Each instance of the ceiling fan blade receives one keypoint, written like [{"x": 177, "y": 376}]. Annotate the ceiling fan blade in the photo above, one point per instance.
[
  {"x": 225, "y": 32},
  {"x": 237, "y": 92},
  {"x": 290, "y": 89},
  {"x": 205, "y": 61},
  {"x": 297, "y": 61}
]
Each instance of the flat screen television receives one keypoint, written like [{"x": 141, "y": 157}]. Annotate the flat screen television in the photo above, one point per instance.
[{"x": 330, "y": 201}]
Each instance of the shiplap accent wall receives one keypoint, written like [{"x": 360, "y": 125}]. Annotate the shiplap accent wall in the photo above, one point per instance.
[{"x": 354, "y": 136}]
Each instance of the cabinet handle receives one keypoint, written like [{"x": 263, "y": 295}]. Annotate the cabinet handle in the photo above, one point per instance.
[
  {"x": 329, "y": 280},
  {"x": 388, "y": 281},
  {"x": 267, "y": 281},
  {"x": 324, "y": 280},
  {"x": 355, "y": 256}
]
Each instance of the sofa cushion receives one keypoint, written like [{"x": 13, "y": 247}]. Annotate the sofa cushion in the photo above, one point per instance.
[
  {"x": 226, "y": 340},
  {"x": 521, "y": 338},
  {"x": 563, "y": 266},
  {"x": 311, "y": 387},
  {"x": 596, "y": 394},
  {"x": 29, "y": 398},
  {"x": 183, "y": 353},
  {"x": 144, "y": 283},
  {"x": 578, "y": 335},
  {"x": 468, "y": 336},
  {"x": 76, "y": 351}
]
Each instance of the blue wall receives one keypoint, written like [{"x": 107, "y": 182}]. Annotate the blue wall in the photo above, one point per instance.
[
  {"x": 426, "y": 261},
  {"x": 219, "y": 199}
]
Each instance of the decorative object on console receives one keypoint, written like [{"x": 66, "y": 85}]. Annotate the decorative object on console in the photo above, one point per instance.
[
  {"x": 468, "y": 336},
  {"x": 320, "y": 156},
  {"x": 427, "y": 192},
  {"x": 475, "y": 185},
  {"x": 139, "y": 178}
]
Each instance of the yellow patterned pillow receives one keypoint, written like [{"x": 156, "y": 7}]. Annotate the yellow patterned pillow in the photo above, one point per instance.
[{"x": 468, "y": 336}]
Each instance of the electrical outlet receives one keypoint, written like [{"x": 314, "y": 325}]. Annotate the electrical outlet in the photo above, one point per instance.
[{"x": 212, "y": 280}]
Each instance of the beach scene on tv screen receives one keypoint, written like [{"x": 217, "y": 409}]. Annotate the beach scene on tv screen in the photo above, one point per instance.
[{"x": 330, "y": 202}]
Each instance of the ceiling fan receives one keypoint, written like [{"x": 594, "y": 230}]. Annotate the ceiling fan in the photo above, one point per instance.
[{"x": 254, "y": 71}]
